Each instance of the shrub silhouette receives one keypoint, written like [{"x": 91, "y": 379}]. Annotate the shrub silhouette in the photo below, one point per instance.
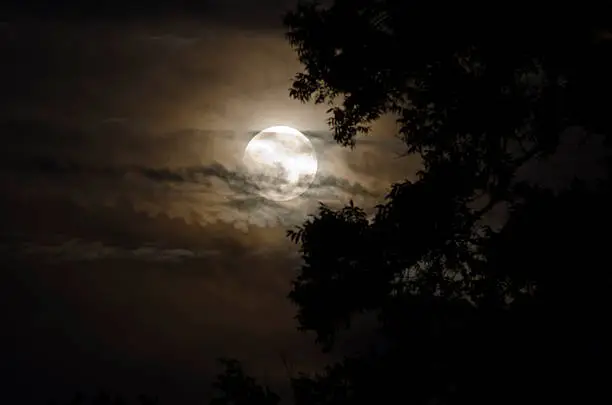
[{"x": 234, "y": 387}]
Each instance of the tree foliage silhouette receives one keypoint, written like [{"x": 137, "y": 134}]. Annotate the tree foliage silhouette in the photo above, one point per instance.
[
  {"x": 468, "y": 312},
  {"x": 475, "y": 98},
  {"x": 234, "y": 387},
  {"x": 463, "y": 305}
]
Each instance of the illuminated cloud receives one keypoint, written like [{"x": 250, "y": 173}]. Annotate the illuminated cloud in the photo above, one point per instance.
[{"x": 174, "y": 173}]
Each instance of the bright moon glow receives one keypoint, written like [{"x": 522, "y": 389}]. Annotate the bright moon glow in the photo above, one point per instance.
[{"x": 281, "y": 163}]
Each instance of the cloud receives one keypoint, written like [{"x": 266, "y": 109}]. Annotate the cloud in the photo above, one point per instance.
[
  {"x": 124, "y": 122},
  {"x": 183, "y": 172},
  {"x": 265, "y": 14},
  {"x": 120, "y": 306},
  {"x": 81, "y": 250},
  {"x": 160, "y": 74}
]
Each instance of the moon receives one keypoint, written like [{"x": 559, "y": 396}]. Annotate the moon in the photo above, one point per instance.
[{"x": 281, "y": 163}]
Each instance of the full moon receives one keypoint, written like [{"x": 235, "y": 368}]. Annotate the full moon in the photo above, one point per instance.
[{"x": 281, "y": 163}]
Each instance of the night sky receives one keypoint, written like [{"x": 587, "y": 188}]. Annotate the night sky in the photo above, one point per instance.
[{"x": 132, "y": 254}]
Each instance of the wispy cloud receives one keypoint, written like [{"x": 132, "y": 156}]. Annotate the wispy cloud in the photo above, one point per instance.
[
  {"x": 181, "y": 172},
  {"x": 83, "y": 250}
]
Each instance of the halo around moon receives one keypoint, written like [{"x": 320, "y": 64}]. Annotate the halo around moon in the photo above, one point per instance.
[{"x": 281, "y": 163}]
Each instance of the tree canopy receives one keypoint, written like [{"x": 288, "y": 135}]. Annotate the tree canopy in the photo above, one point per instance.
[
  {"x": 469, "y": 313},
  {"x": 234, "y": 387},
  {"x": 475, "y": 98}
]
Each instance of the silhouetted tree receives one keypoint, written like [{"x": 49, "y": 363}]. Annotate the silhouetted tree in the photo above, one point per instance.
[
  {"x": 234, "y": 387},
  {"x": 470, "y": 313},
  {"x": 475, "y": 98}
]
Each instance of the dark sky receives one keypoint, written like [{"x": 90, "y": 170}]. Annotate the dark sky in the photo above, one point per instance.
[{"x": 132, "y": 255}]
